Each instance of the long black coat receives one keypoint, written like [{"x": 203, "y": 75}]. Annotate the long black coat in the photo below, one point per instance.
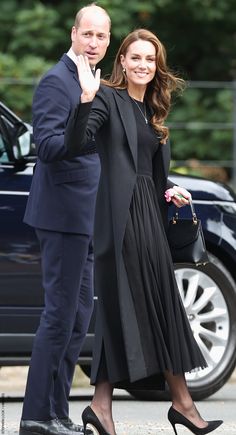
[{"x": 111, "y": 120}]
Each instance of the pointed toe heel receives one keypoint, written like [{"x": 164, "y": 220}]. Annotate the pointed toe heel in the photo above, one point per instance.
[
  {"x": 176, "y": 417},
  {"x": 89, "y": 417}
]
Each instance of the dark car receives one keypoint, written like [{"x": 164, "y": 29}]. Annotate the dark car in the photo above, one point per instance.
[{"x": 208, "y": 292}]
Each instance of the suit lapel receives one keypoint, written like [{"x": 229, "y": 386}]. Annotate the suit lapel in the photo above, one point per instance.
[
  {"x": 129, "y": 122},
  {"x": 71, "y": 66}
]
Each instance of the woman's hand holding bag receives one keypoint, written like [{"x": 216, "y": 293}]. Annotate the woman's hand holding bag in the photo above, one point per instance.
[{"x": 185, "y": 236}]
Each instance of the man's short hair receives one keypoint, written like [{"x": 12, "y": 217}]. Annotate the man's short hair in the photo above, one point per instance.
[{"x": 81, "y": 12}]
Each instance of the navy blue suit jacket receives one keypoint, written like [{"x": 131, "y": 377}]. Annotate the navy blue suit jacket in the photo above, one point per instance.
[{"x": 63, "y": 191}]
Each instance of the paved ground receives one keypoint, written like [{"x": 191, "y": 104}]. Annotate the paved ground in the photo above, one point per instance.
[{"x": 132, "y": 417}]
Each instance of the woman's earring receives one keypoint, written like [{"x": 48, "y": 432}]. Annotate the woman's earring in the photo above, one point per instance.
[{"x": 123, "y": 70}]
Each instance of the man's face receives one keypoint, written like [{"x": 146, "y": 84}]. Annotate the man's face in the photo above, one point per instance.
[{"x": 92, "y": 37}]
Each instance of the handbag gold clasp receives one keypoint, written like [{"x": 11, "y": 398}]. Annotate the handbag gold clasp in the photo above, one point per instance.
[{"x": 194, "y": 216}]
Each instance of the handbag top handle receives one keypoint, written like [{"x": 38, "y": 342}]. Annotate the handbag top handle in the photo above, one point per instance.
[{"x": 194, "y": 216}]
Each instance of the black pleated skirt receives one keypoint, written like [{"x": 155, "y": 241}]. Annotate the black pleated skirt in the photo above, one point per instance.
[
  {"x": 165, "y": 334},
  {"x": 163, "y": 331}
]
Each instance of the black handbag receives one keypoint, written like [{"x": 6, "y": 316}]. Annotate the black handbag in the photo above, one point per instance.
[{"x": 186, "y": 239}]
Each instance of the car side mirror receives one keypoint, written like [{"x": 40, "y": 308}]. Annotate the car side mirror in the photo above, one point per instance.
[
  {"x": 23, "y": 146},
  {"x": 16, "y": 136}
]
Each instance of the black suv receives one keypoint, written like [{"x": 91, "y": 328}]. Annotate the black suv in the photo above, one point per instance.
[{"x": 208, "y": 292}]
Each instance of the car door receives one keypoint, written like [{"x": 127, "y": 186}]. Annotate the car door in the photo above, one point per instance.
[{"x": 21, "y": 295}]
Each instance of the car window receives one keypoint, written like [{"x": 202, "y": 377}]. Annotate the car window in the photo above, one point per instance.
[{"x": 3, "y": 154}]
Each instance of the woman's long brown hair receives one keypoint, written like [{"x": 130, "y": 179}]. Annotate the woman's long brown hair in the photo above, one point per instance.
[{"x": 158, "y": 93}]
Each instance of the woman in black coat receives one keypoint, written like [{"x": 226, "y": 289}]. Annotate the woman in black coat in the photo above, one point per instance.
[{"x": 142, "y": 335}]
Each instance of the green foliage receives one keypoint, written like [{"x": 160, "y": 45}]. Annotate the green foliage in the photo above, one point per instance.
[
  {"x": 18, "y": 79},
  {"x": 199, "y": 35},
  {"x": 35, "y": 31},
  {"x": 193, "y": 118}
]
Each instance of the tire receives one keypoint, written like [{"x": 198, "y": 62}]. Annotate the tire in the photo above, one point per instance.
[{"x": 209, "y": 297}]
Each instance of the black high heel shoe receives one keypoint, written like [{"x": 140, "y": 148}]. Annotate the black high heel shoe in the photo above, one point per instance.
[
  {"x": 175, "y": 417},
  {"x": 88, "y": 416}
]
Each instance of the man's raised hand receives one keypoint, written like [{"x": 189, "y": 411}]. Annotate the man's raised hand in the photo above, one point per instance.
[{"x": 88, "y": 82}]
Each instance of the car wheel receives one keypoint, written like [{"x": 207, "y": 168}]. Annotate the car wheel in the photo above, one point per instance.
[{"x": 209, "y": 297}]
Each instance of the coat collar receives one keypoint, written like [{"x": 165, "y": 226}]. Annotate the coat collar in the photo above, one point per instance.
[
  {"x": 69, "y": 62},
  {"x": 70, "y": 65},
  {"x": 128, "y": 119},
  {"x": 129, "y": 122}
]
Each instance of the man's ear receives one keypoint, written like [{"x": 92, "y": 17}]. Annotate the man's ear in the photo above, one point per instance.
[{"x": 73, "y": 33}]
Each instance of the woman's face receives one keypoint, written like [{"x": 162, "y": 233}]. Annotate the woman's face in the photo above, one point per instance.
[{"x": 139, "y": 63}]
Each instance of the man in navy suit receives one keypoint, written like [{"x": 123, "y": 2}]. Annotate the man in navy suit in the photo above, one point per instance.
[{"x": 61, "y": 209}]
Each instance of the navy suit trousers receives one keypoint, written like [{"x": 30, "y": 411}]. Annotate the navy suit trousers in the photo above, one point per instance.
[{"x": 67, "y": 272}]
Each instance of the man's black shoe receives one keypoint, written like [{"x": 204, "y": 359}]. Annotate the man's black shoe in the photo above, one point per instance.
[
  {"x": 51, "y": 427},
  {"x": 68, "y": 423}
]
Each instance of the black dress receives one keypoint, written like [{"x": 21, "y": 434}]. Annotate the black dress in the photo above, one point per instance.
[{"x": 165, "y": 335}]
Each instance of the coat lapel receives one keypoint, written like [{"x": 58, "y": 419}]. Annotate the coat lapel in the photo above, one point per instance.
[
  {"x": 71, "y": 66},
  {"x": 129, "y": 122},
  {"x": 165, "y": 154}
]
